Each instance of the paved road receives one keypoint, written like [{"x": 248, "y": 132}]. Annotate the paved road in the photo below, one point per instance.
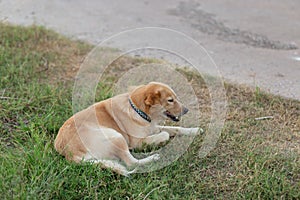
[{"x": 252, "y": 42}]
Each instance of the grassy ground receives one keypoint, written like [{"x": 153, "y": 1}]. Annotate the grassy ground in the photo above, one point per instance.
[{"x": 254, "y": 159}]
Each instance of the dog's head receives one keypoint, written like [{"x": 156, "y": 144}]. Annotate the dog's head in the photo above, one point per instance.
[{"x": 159, "y": 101}]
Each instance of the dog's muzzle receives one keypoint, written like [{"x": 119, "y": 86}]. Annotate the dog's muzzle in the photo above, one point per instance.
[{"x": 176, "y": 118}]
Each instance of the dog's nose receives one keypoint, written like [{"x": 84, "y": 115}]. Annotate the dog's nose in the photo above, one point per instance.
[{"x": 184, "y": 110}]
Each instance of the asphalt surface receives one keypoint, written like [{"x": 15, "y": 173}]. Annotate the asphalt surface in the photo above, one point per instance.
[{"x": 252, "y": 42}]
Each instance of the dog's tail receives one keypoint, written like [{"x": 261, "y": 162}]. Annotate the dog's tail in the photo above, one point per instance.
[{"x": 115, "y": 166}]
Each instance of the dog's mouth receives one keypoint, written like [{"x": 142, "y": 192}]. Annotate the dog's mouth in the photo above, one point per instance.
[{"x": 174, "y": 118}]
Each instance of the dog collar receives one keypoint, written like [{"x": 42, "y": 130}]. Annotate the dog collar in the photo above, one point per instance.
[{"x": 140, "y": 112}]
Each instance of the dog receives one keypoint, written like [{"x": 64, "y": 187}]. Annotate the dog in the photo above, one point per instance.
[{"x": 106, "y": 131}]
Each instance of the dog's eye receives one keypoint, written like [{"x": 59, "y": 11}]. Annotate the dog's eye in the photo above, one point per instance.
[{"x": 171, "y": 100}]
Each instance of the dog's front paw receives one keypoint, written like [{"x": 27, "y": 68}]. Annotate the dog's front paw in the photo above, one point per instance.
[
  {"x": 163, "y": 137},
  {"x": 155, "y": 157},
  {"x": 195, "y": 131}
]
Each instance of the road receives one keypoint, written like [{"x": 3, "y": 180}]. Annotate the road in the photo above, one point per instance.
[{"x": 252, "y": 42}]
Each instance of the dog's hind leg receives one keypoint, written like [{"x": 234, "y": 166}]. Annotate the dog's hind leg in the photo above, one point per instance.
[
  {"x": 115, "y": 166},
  {"x": 124, "y": 154},
  {"x": 128, "y": 158},
  {"x": 114, "y": 146}
]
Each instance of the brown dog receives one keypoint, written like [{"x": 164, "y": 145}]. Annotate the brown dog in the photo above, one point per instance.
[{"x": 106, "y": 131}]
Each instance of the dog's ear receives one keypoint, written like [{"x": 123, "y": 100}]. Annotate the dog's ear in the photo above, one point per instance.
[{"x": 152, "y": 97}]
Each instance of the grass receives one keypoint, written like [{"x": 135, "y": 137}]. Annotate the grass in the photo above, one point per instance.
[{"x": 254, "y": 159}]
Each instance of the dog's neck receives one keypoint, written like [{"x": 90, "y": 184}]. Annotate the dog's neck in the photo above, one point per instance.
[{"x": 139, "y": 111}]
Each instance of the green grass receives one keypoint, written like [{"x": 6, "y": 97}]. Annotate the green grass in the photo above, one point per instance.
[{"x": 254, "y": 159}]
